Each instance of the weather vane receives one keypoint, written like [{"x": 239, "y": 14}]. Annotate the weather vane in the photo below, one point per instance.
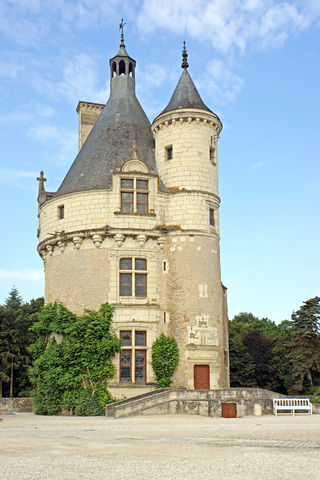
[{"x": 121, "y": 28}]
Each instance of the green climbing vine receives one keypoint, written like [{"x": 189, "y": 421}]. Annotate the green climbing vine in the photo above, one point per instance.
[
  {"x": 165, "y": 358},
  {"x": 72, "y": 360}
]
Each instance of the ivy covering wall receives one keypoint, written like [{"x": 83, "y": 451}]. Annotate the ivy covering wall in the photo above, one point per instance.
[
  {"x": 73, "y": 360},
  {"x": 165, "y": 359}
]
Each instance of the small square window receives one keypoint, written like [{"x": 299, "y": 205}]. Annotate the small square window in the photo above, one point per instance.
[
  {"x": 61, "y": 212},
  {"x": 140, "y": 339},
  {"x": 126, "y": 183},
  {"x": 126, "y": 264},
  {"x": 211, "y": 216},
  {"x": 126, "y": 338},
  {"x": 141, "y": 264},
  {"x": 169, "y": 153},
  {"x": 142, "y": 184}
]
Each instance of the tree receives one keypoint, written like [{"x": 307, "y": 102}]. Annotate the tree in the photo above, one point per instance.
[
  {"x": 305, "y": 357},
  {"x": 72, "y": 360},
  {"x": 165, "y": 358},
  {"x": 260, "y": 349},
  {"x": 9, "y": 345},
  {"x": 15, "y": 337},
  {"x": 242, "y": 367}
]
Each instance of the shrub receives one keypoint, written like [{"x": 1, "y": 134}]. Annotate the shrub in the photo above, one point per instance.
[{"x": 165, "y": 358}]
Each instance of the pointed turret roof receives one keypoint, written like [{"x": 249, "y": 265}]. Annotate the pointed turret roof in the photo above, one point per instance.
[
  {"x": 109, "y": 144},
  {"x": 185, "y": 94}
]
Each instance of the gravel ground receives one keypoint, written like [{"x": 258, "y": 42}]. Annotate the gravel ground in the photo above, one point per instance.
[{"x": 159, "y": 447}]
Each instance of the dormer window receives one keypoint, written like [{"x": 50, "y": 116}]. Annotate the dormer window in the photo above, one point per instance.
[{"x": 134, "y": 195}]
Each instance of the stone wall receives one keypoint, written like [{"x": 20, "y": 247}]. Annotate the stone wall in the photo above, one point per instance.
[{"x": 21, "y": 405}]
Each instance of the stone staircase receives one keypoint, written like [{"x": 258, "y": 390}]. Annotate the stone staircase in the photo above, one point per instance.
[{"x": 249, "y": 401}]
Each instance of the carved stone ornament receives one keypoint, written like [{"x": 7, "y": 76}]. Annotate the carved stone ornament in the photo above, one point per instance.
[
  {"x": 43, "y": 255},
  {"x": 161, "y": 242},
  {"x": 77, "y": 241},
  {"x": 97, "y": 240},
  {"x": 61, "y": 245},
  {"x": 49, "y": 249},
  {"x": 141, "y": 240},
  {"x": 119, "y": 239}
]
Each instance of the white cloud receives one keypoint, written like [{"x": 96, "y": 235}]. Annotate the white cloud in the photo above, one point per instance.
[
  {"x": 7, "y": 174},
  {"x": 60, "y": 143},
  {"x": 32, "y": 22},
  {"x": 80, "y": 80},
  {"x": 229, "y": 24},
  {"x": 22, "y": 274},
  {"x": 220, "y": 82},
  {"x": 257, "y": 165}
]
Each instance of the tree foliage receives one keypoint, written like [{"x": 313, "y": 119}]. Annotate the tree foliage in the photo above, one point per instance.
[
  {"x": 165, "y": 358},
  {"x": 16, "y": 318},
  {"x": 72, "y": 360},
  {"x": 306, "y": 345},
  {"x": 284, "y": 357}
]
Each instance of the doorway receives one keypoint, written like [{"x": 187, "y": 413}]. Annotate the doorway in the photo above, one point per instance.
[{"x": 201, "y": 375}]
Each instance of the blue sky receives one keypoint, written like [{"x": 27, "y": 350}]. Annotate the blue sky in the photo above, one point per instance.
[{"x": 255, "y": 63}]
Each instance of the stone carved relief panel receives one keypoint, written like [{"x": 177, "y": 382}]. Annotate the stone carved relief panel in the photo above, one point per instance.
[{"x": 202, "y": 334}]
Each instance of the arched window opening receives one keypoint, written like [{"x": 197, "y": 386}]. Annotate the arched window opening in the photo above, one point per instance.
[
  {"x": 122, "y": 68},
  {"x": 114, "y": 69},
  {"x": 130, "y": 69}
]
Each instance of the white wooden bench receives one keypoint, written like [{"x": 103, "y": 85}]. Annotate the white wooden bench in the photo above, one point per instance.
[{"x": 292, "y": 406}]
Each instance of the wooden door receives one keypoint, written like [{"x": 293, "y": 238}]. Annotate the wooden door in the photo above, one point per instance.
[
  {"x": 201, "y": 377},
  {"x": 229, "y": 410}
]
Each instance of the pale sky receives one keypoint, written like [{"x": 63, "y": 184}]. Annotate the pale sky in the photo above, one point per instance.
[{"x": 255, "y": 63}]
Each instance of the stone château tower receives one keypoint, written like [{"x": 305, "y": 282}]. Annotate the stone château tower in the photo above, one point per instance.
[{"x": 135, "y": 223}]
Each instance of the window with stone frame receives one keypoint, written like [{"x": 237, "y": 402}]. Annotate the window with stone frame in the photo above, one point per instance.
[
  {"x": 60, "y": 212},
  {"x": 211, "y": 217},
  {"x": 133, "y": 277},
  {"x": 133, "y": 356},
  {"x": 134, "y": 195},
  {"x": 169, "y": 152}
]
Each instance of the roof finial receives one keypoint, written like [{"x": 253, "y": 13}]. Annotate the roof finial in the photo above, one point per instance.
[
  {"x": 185, "y": 63},
  {"x": 121, "y": 28}
]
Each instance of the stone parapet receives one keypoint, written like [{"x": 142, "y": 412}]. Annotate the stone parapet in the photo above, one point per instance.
[{"x": 249, "y": 401}]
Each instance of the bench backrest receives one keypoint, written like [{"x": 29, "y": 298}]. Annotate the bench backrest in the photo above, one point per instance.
[{"x": 291, "y": 402}]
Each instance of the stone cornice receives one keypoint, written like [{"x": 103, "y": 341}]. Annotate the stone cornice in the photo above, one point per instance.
[
  {"x": 199, "y": 192},
  {"x": 186, "y": 115},
  {"x": 95, "y": 106},
  {"x": 97, "y": 236}
]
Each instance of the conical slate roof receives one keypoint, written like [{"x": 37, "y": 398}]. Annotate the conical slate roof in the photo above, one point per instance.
[
  {"x": 110, "y": 142},
  {"x": 185, "y": 95}
]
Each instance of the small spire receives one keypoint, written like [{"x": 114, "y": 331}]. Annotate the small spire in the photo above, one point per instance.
[
  {"x": 42, "y": 196},
  {"x": 122, "y": 37},
  {"x": 41, "y": 181},
  {"x": 185, "y": 63}
]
